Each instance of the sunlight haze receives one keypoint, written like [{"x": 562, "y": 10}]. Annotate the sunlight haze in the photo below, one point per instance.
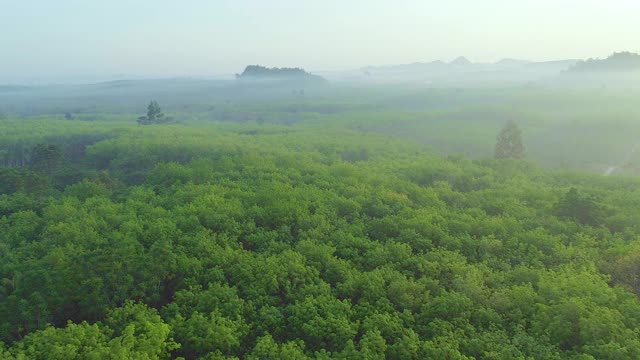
[{"x": 74, "y": 38}]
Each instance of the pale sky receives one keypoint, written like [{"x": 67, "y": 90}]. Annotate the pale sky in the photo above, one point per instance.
[{"x": 70, "y": 38}]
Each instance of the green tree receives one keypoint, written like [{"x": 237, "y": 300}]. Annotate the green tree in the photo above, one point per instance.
[
  {"x": 131, "y": 332},
  {"x": 201, "y": 333},
  {"x": 154, "y": 114},
  {"x": 372, "y": 345},
  {"x": 46, "y": 158},
  {"x": 509, "y": 143},
  {"x": 579, "y": 207},
  {"x": 266, "y": 348}
]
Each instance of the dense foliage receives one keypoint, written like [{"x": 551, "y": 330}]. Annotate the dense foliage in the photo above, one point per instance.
[
  {"x": 622, "y": 61},
  {"x": 261, "y": 72},
  {"x": 257, "y": 241}
]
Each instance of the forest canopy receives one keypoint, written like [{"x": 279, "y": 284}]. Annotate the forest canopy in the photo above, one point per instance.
[{"x": 224, "y": 240}]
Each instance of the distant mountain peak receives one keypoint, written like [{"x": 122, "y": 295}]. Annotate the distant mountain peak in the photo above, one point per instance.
[{"x": 461, "y": 61}]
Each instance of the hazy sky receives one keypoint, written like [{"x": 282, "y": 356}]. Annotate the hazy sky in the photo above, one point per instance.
[{"x": 63, "y": 38}]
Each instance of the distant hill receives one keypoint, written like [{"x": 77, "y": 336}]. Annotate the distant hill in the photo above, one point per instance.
[
  {"x": 462, "y": 72},
  {"x": 622, "y": 61},
  {"x": 257, "y": 72},
  {"x": 461, "y": 61}
]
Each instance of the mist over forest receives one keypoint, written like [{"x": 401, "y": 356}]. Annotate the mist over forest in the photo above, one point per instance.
[
  {"x": 439, "y": 209},
  {"x": 575, "y": 114}
]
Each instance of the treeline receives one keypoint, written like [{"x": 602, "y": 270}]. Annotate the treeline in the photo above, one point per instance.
[
  {"x": 19, "y": 139},
  {"x": 212, "y": 241},
  {"x": 261, "y": 72},
  {"x": 19, "y": 154},
  {"x": 622, "y": 61}
]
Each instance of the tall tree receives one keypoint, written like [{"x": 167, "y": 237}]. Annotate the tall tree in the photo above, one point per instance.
[
  {"x": 46, "y": 158},
  {"x": 509, "y": 143},
  {"x": 579, "y": 207},
  {"x": 154, "y": 114}
]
